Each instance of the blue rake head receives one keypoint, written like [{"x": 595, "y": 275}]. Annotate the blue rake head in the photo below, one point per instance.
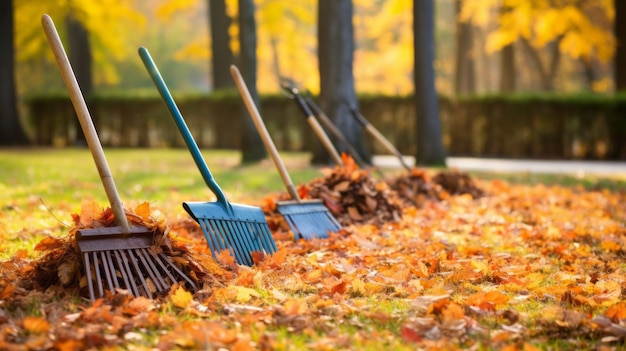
[
  {"x": 242, "y": 233},
  {"x": 308, "y": 219}
]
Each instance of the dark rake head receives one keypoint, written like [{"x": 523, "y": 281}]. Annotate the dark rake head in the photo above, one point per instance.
[
  {"x": 308, "y": 219},
  {"x": 250, "y": 237},
  {"x": 124, "y": 261}
]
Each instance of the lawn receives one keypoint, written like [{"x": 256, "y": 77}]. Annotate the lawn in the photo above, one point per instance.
[{"x": 524, "y": 262}]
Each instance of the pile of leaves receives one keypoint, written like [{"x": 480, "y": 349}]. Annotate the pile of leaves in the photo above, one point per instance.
[
  {"x": 62, "y": 265},
  {"x": 521, "y": 268},
  {"x": 418, "y": 186},
  {"x": 350, "y": 194}
]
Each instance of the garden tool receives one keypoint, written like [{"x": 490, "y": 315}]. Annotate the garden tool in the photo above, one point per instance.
[
  {"x": 293, "y": 93},
  {"x": 337, "y": 133},
  {"x": 119, "y": 257},
  {"x": 241, "y": 229},
  {"x": 307, "y": 219},
  {"x": 378, "y": 135}
]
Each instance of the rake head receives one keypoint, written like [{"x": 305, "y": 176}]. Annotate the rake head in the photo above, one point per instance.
[
  {"x": 115, "y": 260},
  {"x": 308, "y": 219},
  {"x": 241, "y": 233}
]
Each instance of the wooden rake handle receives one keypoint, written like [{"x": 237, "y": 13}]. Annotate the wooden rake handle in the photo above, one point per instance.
[
  {"x": 379, "y": 136},
  {"x": 265, "y": 135},
  {"x": 85, "y": 120},
  {"x": 317, "y": 128}
]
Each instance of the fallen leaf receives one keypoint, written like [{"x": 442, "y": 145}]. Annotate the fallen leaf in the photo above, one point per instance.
[
  {"x": 181, "y": 297},
  {"x": 36, "y": 325}
]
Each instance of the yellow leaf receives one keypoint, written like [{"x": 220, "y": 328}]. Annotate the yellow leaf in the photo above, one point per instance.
[
  {"x": 181, "y": 297},
  {"x": 143, "y": 210},
  {"x": 241, "y": 293}
]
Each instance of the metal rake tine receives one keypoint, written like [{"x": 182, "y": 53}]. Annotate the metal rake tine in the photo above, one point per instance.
[
  {"x": 138, "y": 275},
  {"x": 266, "y": 239},
  {"x": 111, "y": 269},
  {"x": 157, "y": 259},
  {"x": 107, "y": 273},
  {"x": 173, "y": 266},
  {"x": 92, "y": 295},
  {"x": 126, "y": 273},
  {"x": 224, "y": 229},
  {"x": 239, "y": 244},
  {"x": 150, "y": 269},
  {"x": 98, "y": 277},
  {"x": 209, "y": 236}
]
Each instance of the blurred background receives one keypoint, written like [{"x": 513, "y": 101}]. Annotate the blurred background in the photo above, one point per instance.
[{"x": 517, "y": 79}]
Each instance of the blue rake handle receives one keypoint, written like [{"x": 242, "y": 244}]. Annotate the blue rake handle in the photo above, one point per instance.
[{"x": 184, "y": 130}]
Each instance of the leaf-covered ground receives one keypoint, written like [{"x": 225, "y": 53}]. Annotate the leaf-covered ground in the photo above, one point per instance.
[{"x": 424, "y": 261}]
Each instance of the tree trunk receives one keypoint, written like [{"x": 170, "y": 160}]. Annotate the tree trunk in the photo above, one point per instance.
[
  {"x": 81, "y": 61},
  {"x": 221, "y": 54},
  {"x": 430, "y": 149},
  {"x": 336, "y": 54},
  {"x": 620, "y": 52},
  {"x": 465, "y": 73},
  {"x": 547, "y": 75},
  {"x": 11, "y": 132},
  {"x": 507, "y": 69},
  {"x": 251, "y": 142},
  {"x": 507, "y": 63}
]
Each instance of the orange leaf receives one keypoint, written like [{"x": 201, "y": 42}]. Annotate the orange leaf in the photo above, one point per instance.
[
  {"x": 303, "y": 192},
  {"x": 295, "y": 307},
  {"x": 69, "y": 345},
  {"x": 487, "y": 300},
  {"x": 7, "y": 291},
  {"x": 278, "y": 258},
  {"x": 49, "y": 243},
  {"x": 452, "y": 311},
  {"x": 339, "y": 288},
  {"x": 143, "y": 210},
  {"x": 138, "y": 305},
  {"x": 89, "y": 211},
  {"x": 181, "y": 297},
  {"x": 224, "y": 257},
  {"x": 36, "y": 325},
  {"x": 529, "y": 347},
  {"x": 242, "y": 344},
  {"x": 218, "y": 333},
  {"x": 617, "y": 312}
]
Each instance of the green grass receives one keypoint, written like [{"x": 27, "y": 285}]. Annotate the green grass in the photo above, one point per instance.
[{"x": 41, "y": 188}]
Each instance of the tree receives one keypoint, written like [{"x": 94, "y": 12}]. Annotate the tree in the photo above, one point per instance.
[
  {"x": 221, "y": 53},
  {"x": 11, "y": 132},
  {"x": 554, "y": 28},
  {"x": 465, "y": 73},
  {"x": 507, "y": 64},
  {"x": 430, "y": 149},
  {"x": 251, "y": 143},
  {"x": 620, "y": 54},
  {"x": 79, "y": 54},
  {"x": 336, "y": 55}
]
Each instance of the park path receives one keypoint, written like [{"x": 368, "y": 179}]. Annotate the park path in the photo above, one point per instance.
[{"x": 578, "y": 168}]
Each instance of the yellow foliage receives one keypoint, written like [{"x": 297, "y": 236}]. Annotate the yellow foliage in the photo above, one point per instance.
[{"x": 579, "y": 28}]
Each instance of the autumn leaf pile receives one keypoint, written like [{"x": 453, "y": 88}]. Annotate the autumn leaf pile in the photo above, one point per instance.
[
  {"x": 514, "y": 269},
  {"x": 417, "y": 186}
]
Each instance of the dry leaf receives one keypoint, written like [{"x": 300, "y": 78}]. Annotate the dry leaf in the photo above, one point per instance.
[
  {"x": 36, "y": 325},
  {"x": 180, "y": 297}
]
